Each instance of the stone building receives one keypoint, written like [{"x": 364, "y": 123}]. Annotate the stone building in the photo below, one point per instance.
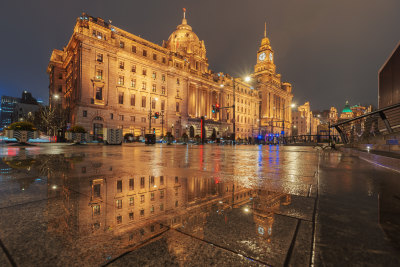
[
  {"x": 106, "y": 77},
  {"x": 305, "y": 121}
]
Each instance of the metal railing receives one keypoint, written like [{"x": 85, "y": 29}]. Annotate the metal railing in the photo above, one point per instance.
[
  {"x": 371, "y": 126},
  {"x": 315, "y": 138}
]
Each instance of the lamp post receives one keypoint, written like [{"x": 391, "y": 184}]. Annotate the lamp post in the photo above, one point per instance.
[
  {"x": 234, "y": 111},
  {"x": 150, "y": 114}
]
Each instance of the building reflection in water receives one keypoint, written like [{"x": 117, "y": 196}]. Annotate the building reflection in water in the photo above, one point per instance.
[{"x": 125, "y": 209}]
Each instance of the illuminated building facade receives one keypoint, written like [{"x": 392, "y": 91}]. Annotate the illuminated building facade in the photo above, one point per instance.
[
  {"x": 304, "y": 121},
  {"x": 108, "y": 78}
]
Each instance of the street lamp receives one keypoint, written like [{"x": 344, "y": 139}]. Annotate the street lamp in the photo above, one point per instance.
[{"x": 150, "y": 115}]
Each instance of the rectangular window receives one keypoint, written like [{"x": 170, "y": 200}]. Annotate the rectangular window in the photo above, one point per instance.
[
  {"x": 152, "y": 196},
  {"x": 161, "y": 180},
  {"x": 119, "y": 186},
  {"x": 111, "y": 116},
  {"x": 142, "y": 212},
  {"x": 134, "y": 69},
  {"x": 133, "y": 118},
  {"x": 178, "y": 82},
  {"x": 152, "y": 180},
  {"x": 152, "y": 209},
  {"x": 96, "y": 190},
  {"x": 154, "y": 56},
  {"x": 131, "y": 201},
  {"x": 60, "y": 88},
  {"x": 121, "y": 98},
  {"x": 96, "y": 210},
  {"x": 161, "y": 207},
  {"x": 141, "y": 182},
  {"x": 163, "y": 90},
  {"x": 177, "y": 106},
  {"x": 133, "y": 49},
  {"x": 99, "y": 57},
  {"x": 119, "y": 219},
  {"x": 121, "y": 65},
  {"x": 99, "y": 74},
  {"x": 153, "y": 104},
  {"x": 85, "y": 113},
  {"x": 131, "y": 216},
  {"x": 143, "y": 101},
  {"x": 121, "y": 44},
  {"x": 144, "y": 53},
  {"x": 163, "y": 77},
  {"x": 131, "y": 184},
  {"x": 60, "y": 76},
  {"x": 133, "y": 83},
  {"x": 121, "y": 117},
  {"x": 154, "y": 75},
  {"x": 163, "y": 60},
  {"x": 163, "y": 105},
  {"x": 162, "y": 194},
  {"x": 144, "y": 72},
  {"x": 119, "y": 203},
  {"x": 154, "y": 88},
  {"x": 141, "y": 198},
  {"x": 121, "y": 80},
  {"x": 99, "y": 93},
  {"x": 133, "y": 100},
  {"x": 176, "y": 179}
]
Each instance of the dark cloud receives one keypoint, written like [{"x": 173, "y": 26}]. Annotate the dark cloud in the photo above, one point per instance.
[{"x": 330, "y": 51}]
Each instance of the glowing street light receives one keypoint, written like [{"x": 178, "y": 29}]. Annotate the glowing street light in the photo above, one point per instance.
[{"x": 247, "y": 79}]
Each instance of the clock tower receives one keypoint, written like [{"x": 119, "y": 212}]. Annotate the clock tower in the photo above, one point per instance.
[
  {"x": 276, "y": 96},
  {"x": 265, "y": 56}
]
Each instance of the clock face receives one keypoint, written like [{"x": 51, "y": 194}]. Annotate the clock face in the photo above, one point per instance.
[
  {"x": 270, "y": 56},
  {"x": 262, "y": 56}
]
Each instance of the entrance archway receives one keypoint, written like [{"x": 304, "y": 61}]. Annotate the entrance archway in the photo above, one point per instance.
[{"x": 98, "y": 128}]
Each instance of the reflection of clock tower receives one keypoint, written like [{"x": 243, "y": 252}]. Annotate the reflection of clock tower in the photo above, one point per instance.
[{"x": 276, "y": 95}]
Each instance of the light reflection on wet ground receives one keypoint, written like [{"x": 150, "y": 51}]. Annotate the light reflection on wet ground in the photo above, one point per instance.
[{"x": 162, "y": 205}]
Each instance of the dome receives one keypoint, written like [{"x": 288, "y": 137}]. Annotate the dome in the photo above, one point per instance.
[
  {"x": 347, "y": 108},
  {"x": 183, "y": 40}
]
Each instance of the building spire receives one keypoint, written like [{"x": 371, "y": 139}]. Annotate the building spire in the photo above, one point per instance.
[
  {"x": 184, "y": 21},
  {"x": 265, "y": 30}
]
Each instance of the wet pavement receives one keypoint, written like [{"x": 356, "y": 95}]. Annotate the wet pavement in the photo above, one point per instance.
[{"x": 210, "y": 205}]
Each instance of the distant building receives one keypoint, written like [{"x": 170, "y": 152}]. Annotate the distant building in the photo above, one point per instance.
[
  {"x": 304, "y": 121},
  {"x": 7, "y": 108},
  {"x": 354, "y": 111},
  {"x": 24, "y": 112},
  {"x": 389, "y": 80},
  {"x": 347, "y": 113},
  {"x": 15, "y": 109}
]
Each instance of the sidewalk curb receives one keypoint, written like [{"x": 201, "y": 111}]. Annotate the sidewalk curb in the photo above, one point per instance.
[{"x": 382, "y": 161}]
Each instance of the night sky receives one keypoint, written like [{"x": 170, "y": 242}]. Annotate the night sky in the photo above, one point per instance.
[{"x": 330, "y": 51}]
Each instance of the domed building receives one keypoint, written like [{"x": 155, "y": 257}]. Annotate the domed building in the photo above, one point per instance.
[
  {"x": 107, "y": 77},
  {"x": 185, "y": 42},
  {"x": 347, "y": 113}
]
